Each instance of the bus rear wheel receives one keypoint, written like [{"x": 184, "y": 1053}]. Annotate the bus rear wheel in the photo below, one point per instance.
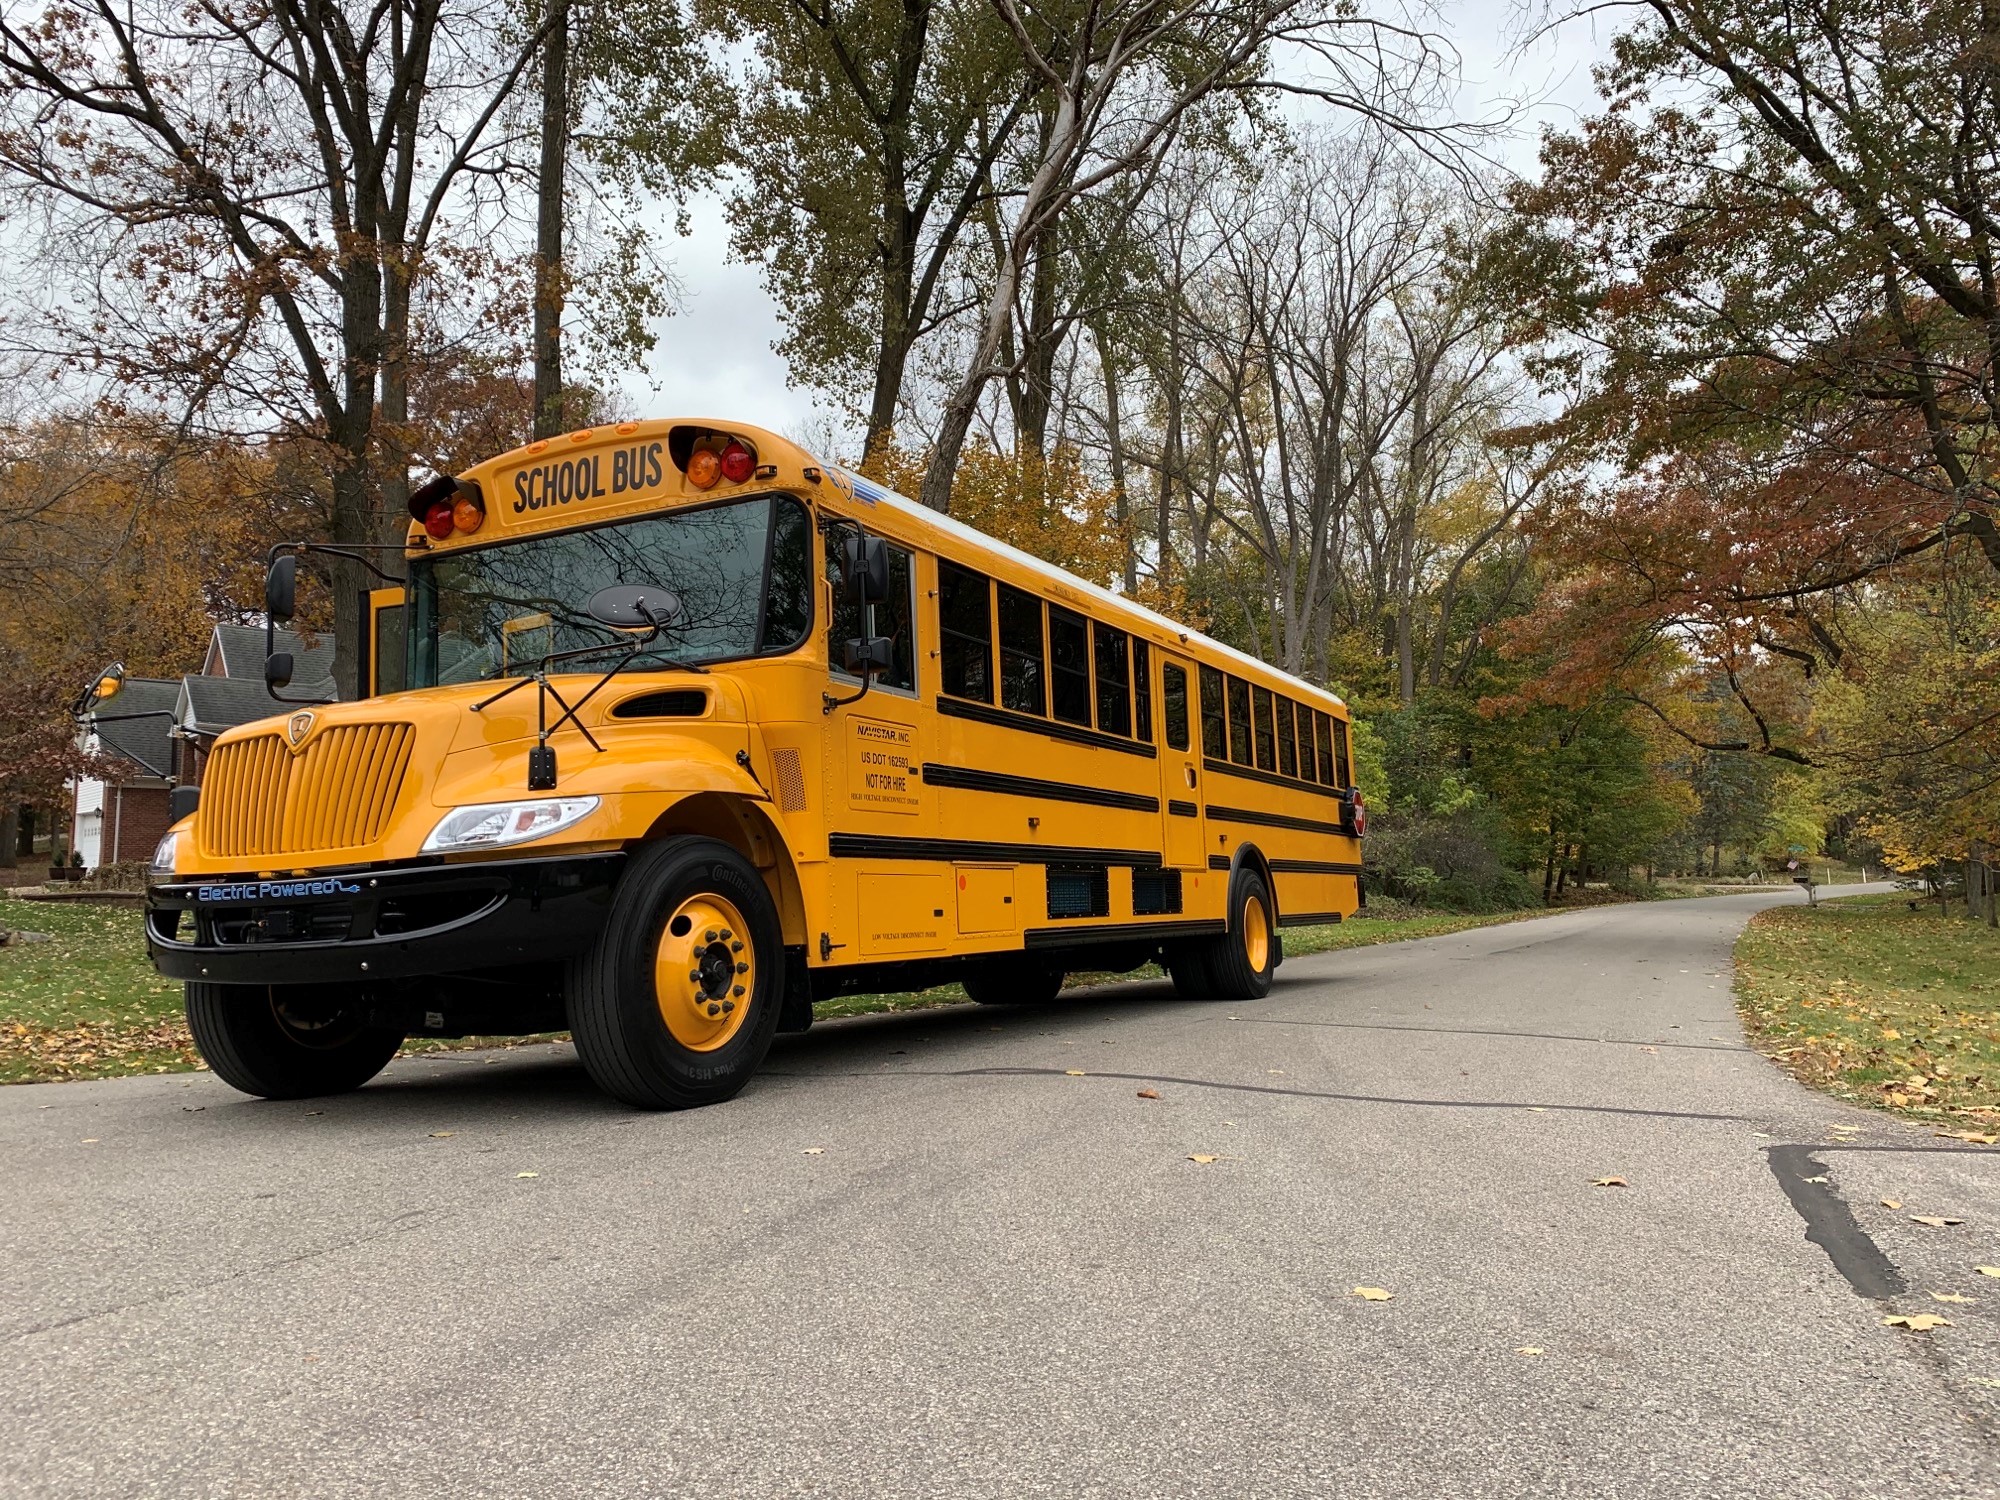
[
  {"x": 676, "y": 1003},
  {"x": 1239, "y": 964},
  {"x": 1012, "y": 979},
  {"x": 293, "y": 1041}
]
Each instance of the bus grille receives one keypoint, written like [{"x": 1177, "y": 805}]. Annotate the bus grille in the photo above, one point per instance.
[{"x": 258, "y": 798}]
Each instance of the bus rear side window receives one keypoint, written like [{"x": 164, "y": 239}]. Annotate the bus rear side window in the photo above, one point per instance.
[
  {"x": 1069, "y": 665},
  {"x": 1267, "y": 749},
  {"x": 1342, "y": 768},
  {"x": 1114, "y": 691},
  {"x": 1308, "y": 765},
  {"x": 1239, "y": 722},
  {"x": 1326, "y": 750},
  {"x": 1288, "y": 749},
  {"x": 1021, "y": 672},
  {"x": 1214, "y": 716},
  {"x": 965, "y": 632},
  {"x": 1174, "y": 702}
]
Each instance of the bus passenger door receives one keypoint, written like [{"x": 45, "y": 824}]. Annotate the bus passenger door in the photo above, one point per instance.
[{"x": 1180, "y": 767}]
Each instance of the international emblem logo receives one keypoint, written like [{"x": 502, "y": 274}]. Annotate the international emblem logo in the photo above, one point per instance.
[{"x": 300, "y": 726}]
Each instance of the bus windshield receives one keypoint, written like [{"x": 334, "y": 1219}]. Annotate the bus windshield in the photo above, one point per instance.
[{"x": 742, "y": 573}]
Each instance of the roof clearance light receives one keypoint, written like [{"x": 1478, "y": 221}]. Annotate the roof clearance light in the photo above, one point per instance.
[
  {"x": 703, "y": 469},
  {"x": 437, "y": 520},
  {"x": 738, "y": 463},
  {"x": 468, "y": 515}
]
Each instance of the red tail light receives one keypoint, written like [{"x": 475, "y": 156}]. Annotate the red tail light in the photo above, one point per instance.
[
  {"x": 738, "y": 463},
  {"x": 438, "y": 521}
]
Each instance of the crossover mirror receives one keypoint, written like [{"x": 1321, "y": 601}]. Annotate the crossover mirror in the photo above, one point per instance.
[
  {"x": 281, "y": 587},
  {"x": 869, "y": 654},
  {"x": 633, "y": 606}
]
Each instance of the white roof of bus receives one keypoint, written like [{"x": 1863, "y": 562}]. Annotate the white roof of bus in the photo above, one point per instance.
[{"x": 868, "y": 492}]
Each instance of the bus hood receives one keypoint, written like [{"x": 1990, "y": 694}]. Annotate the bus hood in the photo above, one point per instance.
[{"x": 355, "y": 783}]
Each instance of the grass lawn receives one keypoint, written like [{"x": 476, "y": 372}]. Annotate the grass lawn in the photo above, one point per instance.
[
  {"x": 1879, "y": 1004},
  {"x": 86, "y": 1004}
]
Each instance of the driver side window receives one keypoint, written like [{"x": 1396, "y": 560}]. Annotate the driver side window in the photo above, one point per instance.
[{"x": 894, "y": 618}]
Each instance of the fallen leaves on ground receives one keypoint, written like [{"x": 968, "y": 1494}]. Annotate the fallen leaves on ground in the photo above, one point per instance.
[
  {"x": 1527, "y": 1349},
  {"x": 1609, "y": 1182},
  {"x": 1149, "y": 1093},
  {"x": 94, "y": 1048},
  {"x": 1075, "y": 1072},
  {"x": 1973, "y": 1136},
  {"x": 814, "y": 1151},
  {"x": 1934, "y": 1221},
  {"x": 1917, "y": 1322},
  {"x": 1372, "y": 1294},
  {"x": 519, "y": 1175},
  {"x": 1892, "y": 1202},
  {"x": 1987, "y": 1270},
  {"x": 1204, "y": 1159},
  {"x": 1954, "y": 1297}
]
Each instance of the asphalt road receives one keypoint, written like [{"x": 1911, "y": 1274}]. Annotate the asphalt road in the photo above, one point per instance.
[{"x": 956, "y": 1253}]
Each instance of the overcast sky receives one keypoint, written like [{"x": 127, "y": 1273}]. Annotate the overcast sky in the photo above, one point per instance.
[{"x": 715, "y": 357}]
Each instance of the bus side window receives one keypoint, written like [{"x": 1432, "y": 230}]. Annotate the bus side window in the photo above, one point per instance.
[
  {"x": 965, "y": 632},
  {"x": 1342, "y": 769},
  {"x": 893, "y": 618},
  {"x": 388, "y": 643},
  {"x": 1142, "y": 689},
  {"x": 1267, "y": 751},
  {"x": 1069, "y": 664},
  {"x": 1308, "y": 767},
  {"x": 1174, "y": 698},
  {"x": 1288, "y": 750},
  {"x": 1239, "y": 722},
  {"x": 1021, "y": 667},
  {"x": 1114, "y": 691},
  {"x": 1214, "y": 716},
  {"x": 1326, "y": 751}
]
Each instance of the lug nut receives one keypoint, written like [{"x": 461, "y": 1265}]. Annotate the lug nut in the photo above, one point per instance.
[
  {"x": 695, "y": 975},
  {"x": 743, "y": 968},
  {"x": 725, "y": 935},
  {"x": 738, "y": 990},
  {"x": 728, "y": 1006},
  {"x": 715, "y": 1010},
  {"x": 735, "y": 947},
  {"x": 711, "y": 936}
]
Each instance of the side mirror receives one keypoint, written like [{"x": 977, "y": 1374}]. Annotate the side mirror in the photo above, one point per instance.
[
  {"x": 281, "y": 587},
  {"x": 278, "y": 668},
  {"x": 183, "y": 800},
  {"x": 865, "y": 562},
  {"x": 871, "y": 653}
]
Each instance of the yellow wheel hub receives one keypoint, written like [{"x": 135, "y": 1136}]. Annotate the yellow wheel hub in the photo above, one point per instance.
[
  {"x": 1256, "y": 935},
  {"x": 705, "y": 972}
]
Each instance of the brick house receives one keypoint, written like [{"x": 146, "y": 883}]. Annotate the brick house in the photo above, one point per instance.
[{"x": 156, "y": 734}]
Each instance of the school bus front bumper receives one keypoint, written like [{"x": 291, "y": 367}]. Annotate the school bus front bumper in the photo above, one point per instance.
[{"x": 380, "y": 922}]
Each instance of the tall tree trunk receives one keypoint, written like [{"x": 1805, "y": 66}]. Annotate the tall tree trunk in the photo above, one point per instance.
[
  {"x": 549, "y": 288},
  {"x": 1114, "y": 436}
]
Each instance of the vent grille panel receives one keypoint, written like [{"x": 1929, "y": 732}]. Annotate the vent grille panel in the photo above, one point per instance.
[
  {"x": 791, "y": 779},
  {"x": 259, "y": 799}
]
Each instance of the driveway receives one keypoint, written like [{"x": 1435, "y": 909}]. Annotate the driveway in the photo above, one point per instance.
[{"x": 959, "y": 1252}]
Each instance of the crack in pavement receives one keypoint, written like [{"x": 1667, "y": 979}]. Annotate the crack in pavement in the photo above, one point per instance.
[
  {"x": 1263, "y": 1088},
  {"x": 1538, "y": 1036},
  {"x": 1830, "y": 1223}
]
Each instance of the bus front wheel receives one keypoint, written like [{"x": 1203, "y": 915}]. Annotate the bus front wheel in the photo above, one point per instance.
[
  {"x": 676, "y": 1003},
  {"x": 292, "y": 1041},
  {"x": 1238, "y": 964}
]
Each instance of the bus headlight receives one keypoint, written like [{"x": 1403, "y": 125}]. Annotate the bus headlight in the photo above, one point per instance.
[
  {"x": 163, "y": 857},
  {"x": 488, "y": 825}
]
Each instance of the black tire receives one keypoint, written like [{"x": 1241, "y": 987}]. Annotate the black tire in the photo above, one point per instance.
[
  {"x": 1011, "y": 979},
  {"x": 1188, "y": 967},
  {"x": 619, "y": 1010},
  {"x": 1241, "y": 962},
  {"x": 294, "y": 1041}
]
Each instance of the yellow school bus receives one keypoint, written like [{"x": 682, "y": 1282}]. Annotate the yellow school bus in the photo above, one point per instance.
[{"x": 678, "y": 730}]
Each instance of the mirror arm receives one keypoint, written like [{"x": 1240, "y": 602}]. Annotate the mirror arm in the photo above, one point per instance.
[
  {"x": 828, "y": 703},
  {"x": 352, "y": 552}
]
